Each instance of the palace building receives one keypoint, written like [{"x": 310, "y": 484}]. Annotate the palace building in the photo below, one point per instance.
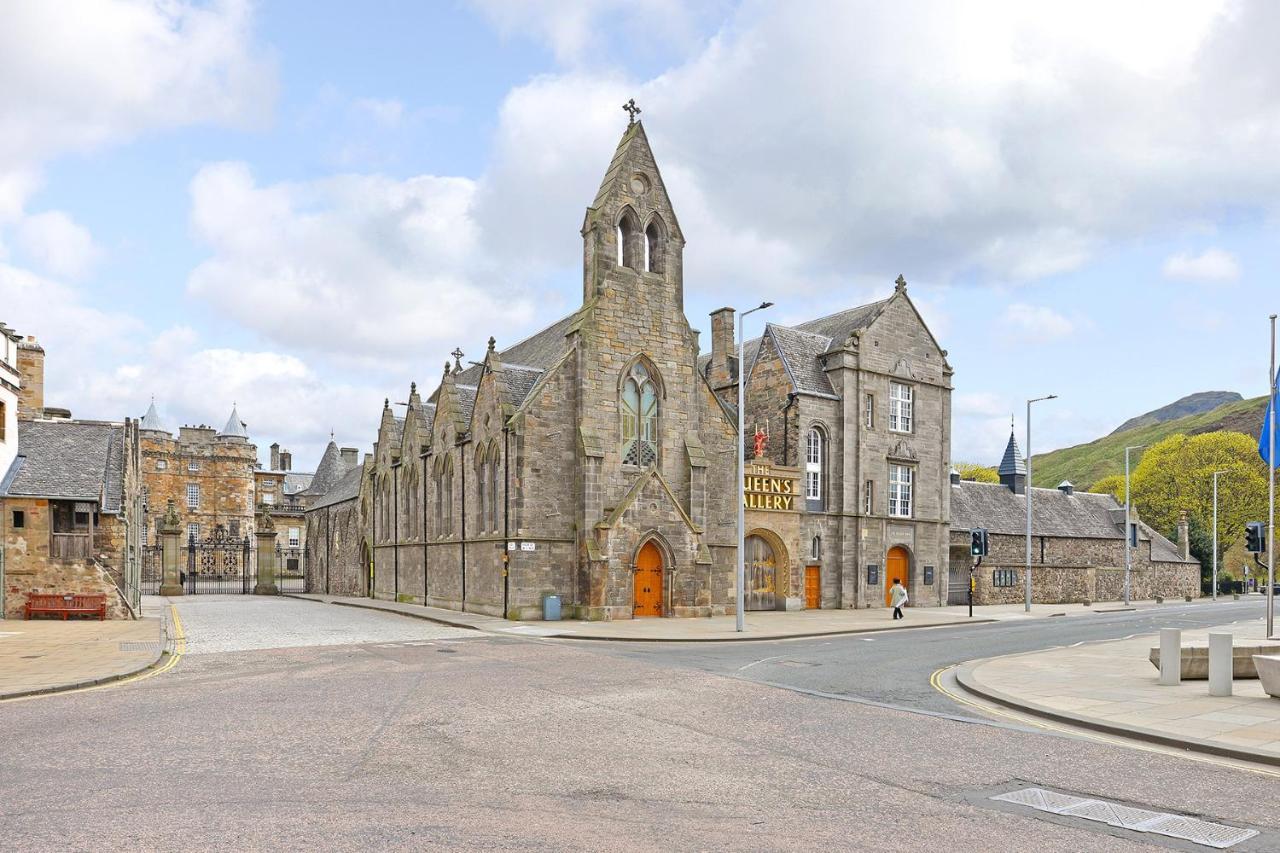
[{"x": 596, "y": 460}]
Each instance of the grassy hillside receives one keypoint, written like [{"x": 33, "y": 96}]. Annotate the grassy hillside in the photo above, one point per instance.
[{"x": 1085, "y": 464}]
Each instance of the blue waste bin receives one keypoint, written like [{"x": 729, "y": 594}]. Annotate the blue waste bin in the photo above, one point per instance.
[{"x": 551, "y": 608}]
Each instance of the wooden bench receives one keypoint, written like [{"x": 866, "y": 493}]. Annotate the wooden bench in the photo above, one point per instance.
[{"x": 67, "y": 604}]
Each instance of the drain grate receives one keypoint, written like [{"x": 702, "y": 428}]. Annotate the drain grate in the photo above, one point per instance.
[
  {"x": 141, "y": 647},
  {"x": 1192, "y": 829}
]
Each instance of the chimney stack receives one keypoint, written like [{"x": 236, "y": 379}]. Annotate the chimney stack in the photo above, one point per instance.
[
  {"x": 275, "y": 456},
  {"x": 286, "y": 460},
  {"x": 31, "y": 379},
  {"x": 724, "y": 360},
  {"x": 350, "y": 457}
]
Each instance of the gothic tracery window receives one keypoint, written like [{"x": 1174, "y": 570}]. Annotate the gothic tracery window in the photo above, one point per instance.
[{"x": 639, "y": 417}]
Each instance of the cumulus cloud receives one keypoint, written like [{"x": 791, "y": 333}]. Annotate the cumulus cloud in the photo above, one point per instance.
[
  {"x": 1009, "y": 143},
  {"x": 57, "y": 244},
  {"x": 1211, "y": 265},
  {"x": 356, "y": 266},
  {"x": 1037, "y": 323}
]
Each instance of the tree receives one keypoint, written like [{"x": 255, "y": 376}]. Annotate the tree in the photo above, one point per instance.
[
  {"x": 1113, "y": 485},
  {"x": 977, "y": 473},
  {"x": 1177, "y": 474}
]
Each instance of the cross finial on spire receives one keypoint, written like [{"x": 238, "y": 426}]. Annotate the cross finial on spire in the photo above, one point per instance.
[
  {"x": 331, "y": 433},
  {"x": 493, "y": 342},
  {"x": 632, "y": 111},
  {"x": 457, "y": 358},
  {"x": 900, "y": 285}
]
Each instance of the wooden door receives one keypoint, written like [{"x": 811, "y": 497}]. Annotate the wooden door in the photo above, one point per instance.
[
  {"x": 812, "y": 587},
  {"x": 896, "y": 565},
  {"x": 648, "y": 582}
]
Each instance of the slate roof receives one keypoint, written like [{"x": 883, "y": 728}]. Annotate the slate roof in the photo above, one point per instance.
[
  {"x": 328, "y": 472},
  {"x": 428, "y": 416},
  {"x": 1013, "y": 462},
  {"x": 151, "y": 420},
  {"x": 234, "y": 427},
  {"x": 69, "y": 460},
  {"x": 346, "y": 488},
  {"x": 835, "y": 328},
  {"x": 800, "y": 351},
  {"x": 296, "y": 482},
  {"x": 519, "y": 381},
  {"x": 1083, "y": 515},
  {"x": 466, "y": 401}
]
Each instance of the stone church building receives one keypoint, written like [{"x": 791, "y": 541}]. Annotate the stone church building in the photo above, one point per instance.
[{"x": 596, "y": 460}]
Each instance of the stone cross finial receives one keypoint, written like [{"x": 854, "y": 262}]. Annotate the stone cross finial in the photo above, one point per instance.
[
  {"x": 632, "y": 111},
  {"x": 413, "y": 387},
  {"x": 457, "y": 358},
  {"x": 493, "y": 342},
  {"x": 386, "y": 402},
  {"x": 900, "y": 285}
]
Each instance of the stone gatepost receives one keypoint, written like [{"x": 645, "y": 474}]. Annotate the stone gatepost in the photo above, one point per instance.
[
  {"x": 265, "y": 541},
  {"x": 171, "y": 551}
]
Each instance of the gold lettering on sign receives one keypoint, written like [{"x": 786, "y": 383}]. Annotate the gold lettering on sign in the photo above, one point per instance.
[{"x": 768, "y": 492}]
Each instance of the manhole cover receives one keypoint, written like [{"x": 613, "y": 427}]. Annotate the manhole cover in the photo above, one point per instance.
[{"x": 1217, "y": 835}]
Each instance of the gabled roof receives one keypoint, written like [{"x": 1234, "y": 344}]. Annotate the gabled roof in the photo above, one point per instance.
[
  {"x": 70, "y": 460},
  {"x": 517, "y": 382},
  {"x": 800, "y": 352},
  {"x": 467, "y": 401}
]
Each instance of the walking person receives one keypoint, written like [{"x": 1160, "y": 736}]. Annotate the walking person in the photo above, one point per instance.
[{"x": 897, "y": 598}]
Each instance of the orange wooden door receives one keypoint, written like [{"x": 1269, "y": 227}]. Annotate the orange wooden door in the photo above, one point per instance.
[
  {"x": 648, "y": 581},
  {"x": 812, "y": 587},
  {"x": 895, "y": 566}
]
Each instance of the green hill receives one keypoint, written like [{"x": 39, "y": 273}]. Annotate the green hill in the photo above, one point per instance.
[{"x": 1085, "y": 464}]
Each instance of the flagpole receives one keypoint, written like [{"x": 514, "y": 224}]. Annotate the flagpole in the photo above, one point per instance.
[{"x": 1271, "y": 487}]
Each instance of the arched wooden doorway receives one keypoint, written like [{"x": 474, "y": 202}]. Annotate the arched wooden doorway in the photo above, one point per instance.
[
  {"x": 761, "y": 574},
  {"x": 896, "y": 565},
  {"x": 648, "y": 582},
  {"x": 366, "y": 560}
]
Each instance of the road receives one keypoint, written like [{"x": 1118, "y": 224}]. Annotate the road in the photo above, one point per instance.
[
  {"x": 299, "y": 725},
  {"x": 894, "y": 667}
]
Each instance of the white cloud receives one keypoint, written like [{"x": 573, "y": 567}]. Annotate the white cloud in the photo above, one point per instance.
[
  {"x": 1211, "y": 265},
  {"x": 388, "y": 112},
  {"x": 1010, "y": 143},
  {"x": 1037, "y": 323},
  {"x": 354, "y": 267},
  {"x": 57, "y": 244}
]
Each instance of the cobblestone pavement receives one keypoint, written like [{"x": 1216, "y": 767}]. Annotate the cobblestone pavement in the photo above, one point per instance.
[{"x": 234, "y": 623}]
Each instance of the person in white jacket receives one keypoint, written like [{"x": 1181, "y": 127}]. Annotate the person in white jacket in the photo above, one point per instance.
[{"x": 897, "y": 598}]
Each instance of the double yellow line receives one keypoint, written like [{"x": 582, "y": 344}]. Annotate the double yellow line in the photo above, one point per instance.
[
  {"x": 935, "y": 681},
  {"x": 179, "y": 649}
]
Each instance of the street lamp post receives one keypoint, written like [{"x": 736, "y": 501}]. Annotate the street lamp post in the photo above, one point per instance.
[
  {"x": 1027, "y": 578},
  {"x": 1128, "y": 525},
  {"x": 740, "y": 598},
  {"x": 1215, "y": 533}
]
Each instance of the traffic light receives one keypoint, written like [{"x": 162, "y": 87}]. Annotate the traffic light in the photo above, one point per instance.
[
  {"x": 1255, "y": 537},
  {"x": 978, "y": 542}
]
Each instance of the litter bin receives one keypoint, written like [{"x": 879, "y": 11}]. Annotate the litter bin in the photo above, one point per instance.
[{"x": 551, "y": 608}]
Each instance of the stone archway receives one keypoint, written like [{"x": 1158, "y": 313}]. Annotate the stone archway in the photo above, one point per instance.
[
  {"x": 648, "y": 575},
  {"x": 767, "y": 570},
  {"x": 897, "y": 565}
]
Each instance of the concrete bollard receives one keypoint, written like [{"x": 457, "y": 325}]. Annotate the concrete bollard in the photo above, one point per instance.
[
  {"x": 1170, "y": 656},
  {"x": 1220, "y": 664}
]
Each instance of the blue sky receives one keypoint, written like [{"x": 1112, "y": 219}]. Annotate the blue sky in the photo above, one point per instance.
[{"x": 301, "y": 207}]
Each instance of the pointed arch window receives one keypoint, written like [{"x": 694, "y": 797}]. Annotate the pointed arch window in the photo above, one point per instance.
[
  {"x": 654, "y": 246},
  {"x": 628, "y": 237},
  {"x": 495, "y": 486},
  {"x": 482, "y": 487},
  {"x": 639, "y": 417},
  {"x": 815, "y": 453}
]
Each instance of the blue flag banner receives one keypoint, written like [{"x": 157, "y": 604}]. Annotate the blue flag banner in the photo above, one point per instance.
[{"x": 1264, "y": 440}]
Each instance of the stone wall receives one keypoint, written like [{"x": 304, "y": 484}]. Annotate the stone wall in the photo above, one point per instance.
[
  {"x": 335, "y": 565},
  {"x": 31, "y": 370},
  {"x": 224, "y": 472},
  {"x": 29, "y": 568}
]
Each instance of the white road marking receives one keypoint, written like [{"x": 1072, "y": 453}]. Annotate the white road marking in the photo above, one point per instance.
[{"x": 753, "y": 663}]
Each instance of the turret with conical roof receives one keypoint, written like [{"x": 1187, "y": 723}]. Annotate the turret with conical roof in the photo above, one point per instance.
[
  {"x": 235, "y": 428},
  {"x": 328, "y": 472},
  {"x": 1013, "y": 468},
  {"x": 151, "y": 420}
]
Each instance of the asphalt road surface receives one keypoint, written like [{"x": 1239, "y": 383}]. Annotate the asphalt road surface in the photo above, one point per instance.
[
  {"x": 373, "y": 731},
  {"x": 894, "y": 667}
]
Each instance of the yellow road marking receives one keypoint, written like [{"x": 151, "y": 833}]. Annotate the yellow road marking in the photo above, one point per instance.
[
  {"x": 179, "y": 649},
  {"x": 936, "y": 681}
]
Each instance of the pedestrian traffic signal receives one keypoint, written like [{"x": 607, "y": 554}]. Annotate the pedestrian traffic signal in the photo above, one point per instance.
[
  {"x": 978, "y": 542},
  {"x": 1255, "y": 537}
]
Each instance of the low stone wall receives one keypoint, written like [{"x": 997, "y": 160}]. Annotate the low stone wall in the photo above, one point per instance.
[
  {"x": 77, "y": 577},
  {"x": 1072, "y": 584}
]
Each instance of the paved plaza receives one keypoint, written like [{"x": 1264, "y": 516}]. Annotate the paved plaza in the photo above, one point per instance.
[
  {"x": 41, "y": 655},
  {"x": 1113, "y": 684}
]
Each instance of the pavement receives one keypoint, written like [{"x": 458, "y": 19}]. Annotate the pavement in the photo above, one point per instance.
[
  {"x": 1113, "y": 687},
  {"x": 478, "y": 740},
  {"x": 47, "y": 655},
  {"x": 758, "y": 625}
]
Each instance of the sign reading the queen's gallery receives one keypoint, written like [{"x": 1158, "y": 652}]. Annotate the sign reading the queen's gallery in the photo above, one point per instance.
[{"x": 764, "y": 490}]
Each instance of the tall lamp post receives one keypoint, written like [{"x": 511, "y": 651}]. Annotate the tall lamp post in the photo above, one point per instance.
[
  {"x": 1271, "y": 486},
  {"x": 1215, "y": 533},
  {"x": 1027, "y": 578},
  {"x": 1128, "y": 525},
  {"x": 740, "y": 598}
]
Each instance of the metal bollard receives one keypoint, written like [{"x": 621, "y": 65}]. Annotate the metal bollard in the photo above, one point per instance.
[
  {"x": 1170, "y": 656},
  {"x": 1220, "y": 664}
]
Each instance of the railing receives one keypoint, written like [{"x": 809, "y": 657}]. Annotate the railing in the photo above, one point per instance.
[{"x": 69, "y": 546}]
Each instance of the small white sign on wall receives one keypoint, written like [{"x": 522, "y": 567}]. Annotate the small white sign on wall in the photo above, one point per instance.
[
  {"x": 511, "y": 546},
  {"x": 528, "y": 546}
]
